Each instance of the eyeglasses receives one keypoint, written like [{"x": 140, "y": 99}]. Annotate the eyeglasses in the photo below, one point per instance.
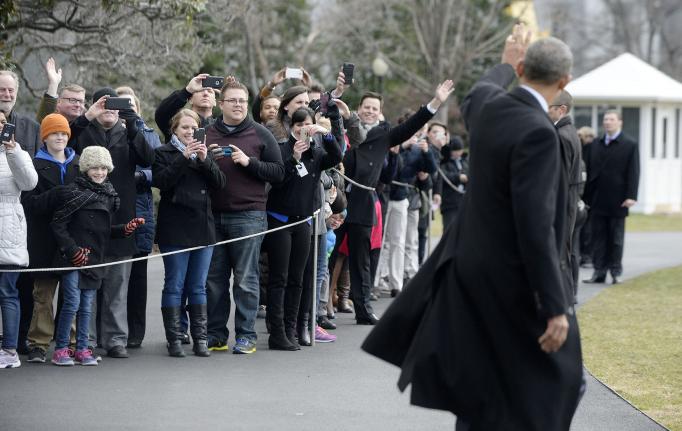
[
  {"x": 236, "y": 101},
  {"x": 73, "y": 101}
]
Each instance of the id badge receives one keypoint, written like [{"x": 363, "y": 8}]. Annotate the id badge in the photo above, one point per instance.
[{"x": 302, "y": 171}]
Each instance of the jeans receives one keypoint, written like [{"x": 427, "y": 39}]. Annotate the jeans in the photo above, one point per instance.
[
  {"x": 241, "y": 259},
  {"x": 79, "y": 301},
  {"x": 185, "y": 273},
  {"x": 9, "y": 304}
]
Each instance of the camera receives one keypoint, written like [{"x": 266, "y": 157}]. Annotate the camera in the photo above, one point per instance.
[
  {"x": 227, "y": 151},
  {"x": 118, "y": 103},
  {"x": 213, "y": 82},
  {"x": 348, "y": 69},
  {"x": 293, "y": 73},
  {"x": 7, "y": 132}
]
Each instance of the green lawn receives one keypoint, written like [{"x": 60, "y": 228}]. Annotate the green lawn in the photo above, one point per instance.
[{"x": 632, "y": 341}]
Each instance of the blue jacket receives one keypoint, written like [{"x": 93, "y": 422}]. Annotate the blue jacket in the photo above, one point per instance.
[
  {"x": 413, "y": 160},
  {"x": 144, "y": 204}
]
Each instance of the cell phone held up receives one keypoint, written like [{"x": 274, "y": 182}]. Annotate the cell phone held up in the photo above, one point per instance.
[
  {"x": 7, "y": 132},
  {"x": 348, "y": 69},
  {"x": 324, "y": 101},
  {"x": 216, "y": 82},
  {"x": 118, "y": 103},
  {"x": 199, "y": 134},
  {"x": 293, "y": 73},
  {"x": 304, "y": 134}
]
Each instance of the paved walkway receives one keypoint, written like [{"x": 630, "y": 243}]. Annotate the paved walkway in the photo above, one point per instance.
[{"x": 328, "y": 387}]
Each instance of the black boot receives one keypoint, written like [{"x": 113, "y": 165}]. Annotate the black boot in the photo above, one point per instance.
[
  {"x": 171, "y": 323},
  {"x": 274, "y": 319},
  {"x": 292, "y": 299},
  {"x": 198, "y": 319},
  {"x": 304, "y": 330}
]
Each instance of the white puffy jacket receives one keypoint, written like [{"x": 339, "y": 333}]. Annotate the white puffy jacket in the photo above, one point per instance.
[{"x": 17, "y": 174}]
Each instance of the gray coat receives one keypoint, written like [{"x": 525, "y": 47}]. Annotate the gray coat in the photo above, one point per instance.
[{"x": 27, "y": 133}]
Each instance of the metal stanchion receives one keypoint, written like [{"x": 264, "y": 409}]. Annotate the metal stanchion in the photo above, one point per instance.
[{"x": 313, "y": 314}]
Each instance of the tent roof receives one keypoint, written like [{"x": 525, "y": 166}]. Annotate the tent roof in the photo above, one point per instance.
[{"x": 626, "y": 78}]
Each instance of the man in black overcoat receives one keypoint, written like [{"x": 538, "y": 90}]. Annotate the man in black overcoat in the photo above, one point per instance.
[
  {"x": 611, "y": 190},
  {"x": 485, "y": 329}
]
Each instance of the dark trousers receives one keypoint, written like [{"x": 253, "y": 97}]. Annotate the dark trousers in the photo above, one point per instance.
[
  {"x": 137, "y": 299},
  {"x": 608, "y": 234},
  {"x": 586, "y": 240},
  {"x": 287, "y": 252},
  {"x": 25, "y": 287},
  {"x": 359, "y": 246}
]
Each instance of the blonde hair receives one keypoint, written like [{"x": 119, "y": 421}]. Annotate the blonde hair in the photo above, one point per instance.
[
  {"x": 175, "y": 121},
  {"x": 127, "y": 91}
]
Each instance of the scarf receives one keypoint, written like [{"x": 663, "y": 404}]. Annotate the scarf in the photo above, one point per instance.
[
  {"x": 86, "y": 191},
  {"x": 174, "y": 141},
  {"x": 63, "y": 166}
]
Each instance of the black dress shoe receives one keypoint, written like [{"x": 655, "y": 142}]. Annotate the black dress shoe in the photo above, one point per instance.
[
  {"x": 117, "y": 352},
  {"x": 596, "y": 278},
  {"x": 372, "y": 319}
]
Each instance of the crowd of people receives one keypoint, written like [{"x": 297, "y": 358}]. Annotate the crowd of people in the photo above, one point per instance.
[{"x": 302, "y": 172}]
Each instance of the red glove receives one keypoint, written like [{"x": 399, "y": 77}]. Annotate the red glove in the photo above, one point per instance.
[
  {"x": 80, "y": 258},
  {"x": 132, "y": 225}
]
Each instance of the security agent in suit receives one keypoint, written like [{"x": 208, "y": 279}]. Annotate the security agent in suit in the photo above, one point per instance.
[
  {"x": 611, "y": 190},
  {"x": 570, "y": 169}
]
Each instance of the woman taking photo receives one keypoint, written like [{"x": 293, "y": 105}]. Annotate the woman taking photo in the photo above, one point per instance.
[
  {"x": 186, "y": 175},
  {"x": 309, "y": 150}
]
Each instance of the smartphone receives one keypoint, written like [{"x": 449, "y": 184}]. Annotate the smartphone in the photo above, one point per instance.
[
  {"x": 213, "y": 82},
  {"x": 200, "y": 134},
  {"x": 303, "y": 135},
  {"x": 348, "y": 69},
  {"x": 227, "y": 151},
  {"x": 293, "y": 73},
  {"x": 324, "y": 100},
  {"x": 117, "y": 103},
  {"x": 7, "y": 132}
]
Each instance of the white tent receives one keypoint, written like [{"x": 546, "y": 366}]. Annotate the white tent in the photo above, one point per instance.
[{"x": 650, "y": 102}]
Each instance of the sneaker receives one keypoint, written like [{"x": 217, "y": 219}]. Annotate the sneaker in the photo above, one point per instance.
[
  {"x": 36, "y": 354},
  {"x": 9, "y": 360},
  {"x": 61, "y": 357},
  {"x": 218, "y": 346},
  {"x": 244, "y": 346},
  {"x": 85, "y": 357},
  {"x": 322, "y": 336},
  {"x": 97, "y": 356}
]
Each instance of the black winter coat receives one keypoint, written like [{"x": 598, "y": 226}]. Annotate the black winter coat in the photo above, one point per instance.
[
  {"x": 125, "y": 154},
  {"x": 90, "y": 226},
  {"x": 185, "y": 215},
  {"x": 39, "y": 205},
  {"x": 493, "y": 281},
  {"x": 170, "y": 106},
  {"x": 612, "y": 175},
  {"x": 363, "y": 163},
  {"x": 451, "y": 199}
]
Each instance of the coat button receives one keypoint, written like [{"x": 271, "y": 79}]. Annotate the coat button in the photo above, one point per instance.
[
  {"x": 371, "y": 163},
  {"x": 203, "y": 192},
  {"x": 370, "y": 146}
]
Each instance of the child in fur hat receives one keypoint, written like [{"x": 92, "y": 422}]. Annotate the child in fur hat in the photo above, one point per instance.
[{"x": 82, "y": 227}]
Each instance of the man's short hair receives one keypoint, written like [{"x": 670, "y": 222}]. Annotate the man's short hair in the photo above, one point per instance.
[
  {"x": 614, "y": 112},
  {"x": 564, "y": 99},
  {"x": 436, "y": 124},
  {"x": 13, "y": 75},
  {"x": 316, "y": 88},
  {"x": 372, "y": 95},
  {"x": 547, "y": 61},
  {"x": 74, "y": 88},
  {"x": 232, "y": 85}
]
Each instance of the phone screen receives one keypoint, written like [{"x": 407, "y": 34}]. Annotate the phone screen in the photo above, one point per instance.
[{"x": 293, "y": 73}]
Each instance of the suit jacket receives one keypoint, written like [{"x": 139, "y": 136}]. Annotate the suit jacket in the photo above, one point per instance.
[
  {"x": 363, "y": 163},
  {"x": 612, "y": 175},
  {"x": 493, "y": 281}
]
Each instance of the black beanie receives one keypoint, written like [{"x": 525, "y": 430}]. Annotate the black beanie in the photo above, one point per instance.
[
  {"x": 456, "y": 143},
  {"x": 105, "y": 91}
]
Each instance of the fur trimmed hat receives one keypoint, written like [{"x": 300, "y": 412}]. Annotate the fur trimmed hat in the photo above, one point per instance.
[
  {"x": 54, "y": 123},
  {"x": 95, "y": 157}
]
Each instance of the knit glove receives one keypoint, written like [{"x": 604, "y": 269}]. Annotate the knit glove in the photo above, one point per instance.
[
  {"x": 132, "y": 225},
  {"x": 80, "y": 257},
  {"x": 333, "y": 112},
  {"x": 130, "y": 118}
]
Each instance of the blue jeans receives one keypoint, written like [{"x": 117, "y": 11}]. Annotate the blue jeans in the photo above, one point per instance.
[
  {"x": 185, "y": 273},
  {"x": 76, "y": 300},
  {"x": 9, "y": 305},
  {"x": 241, "y": 259}
]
